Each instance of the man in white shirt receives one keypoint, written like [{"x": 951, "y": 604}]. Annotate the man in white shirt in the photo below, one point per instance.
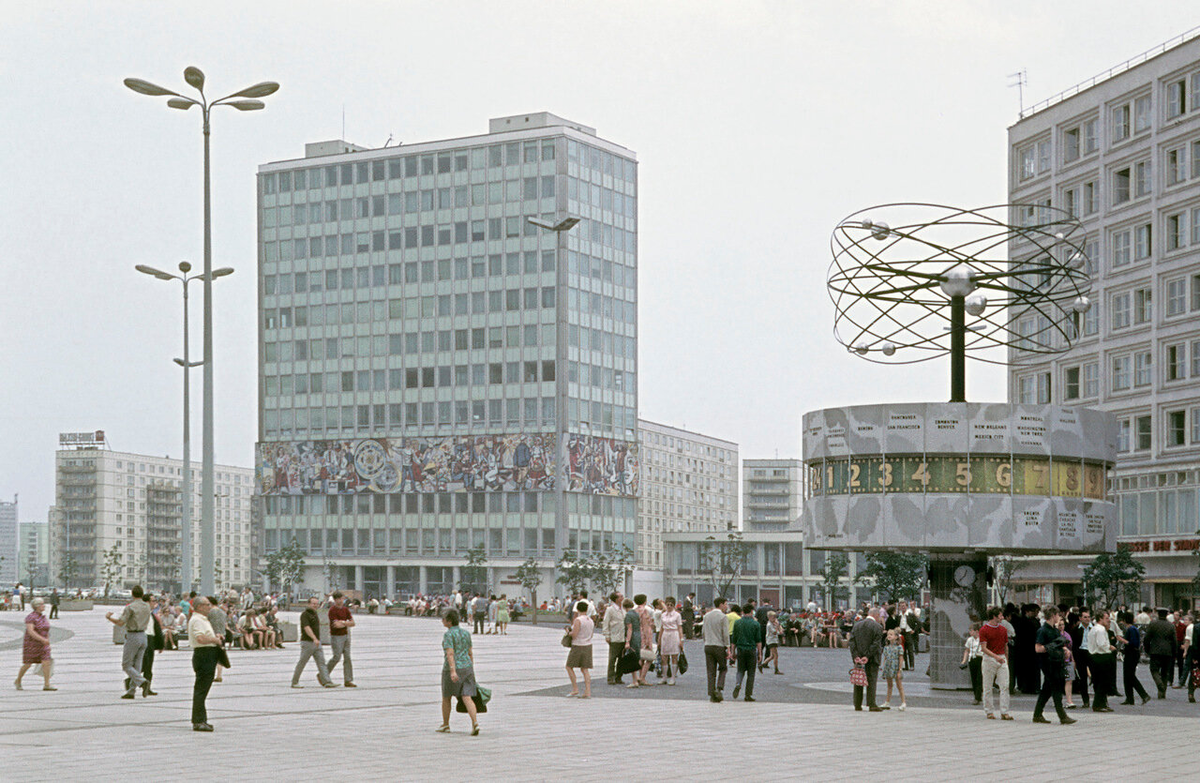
[
  {"x": 1104, "y": 662},
  {"x": 205, "y": 652},
  {"x": 614, "y": 632}
]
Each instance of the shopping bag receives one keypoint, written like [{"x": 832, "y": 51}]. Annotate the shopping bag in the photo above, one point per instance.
[{"x": 682, "y": 663}]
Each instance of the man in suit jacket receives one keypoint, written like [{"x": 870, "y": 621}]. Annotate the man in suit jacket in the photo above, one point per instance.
[
  {"x": 689, "y": 615},
  {"x": 866, "y": 641},
  {"x": 154, "y": 641}
]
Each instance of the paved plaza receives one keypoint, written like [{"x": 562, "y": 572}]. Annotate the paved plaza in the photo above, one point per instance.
[{"x": 801, "y": 727}]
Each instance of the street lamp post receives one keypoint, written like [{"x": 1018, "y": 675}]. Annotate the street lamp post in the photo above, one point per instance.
[
  {"x": 559, "y": 230},
  {"x": 185, "y": 555},
  {"x": 242, "y": 100}
]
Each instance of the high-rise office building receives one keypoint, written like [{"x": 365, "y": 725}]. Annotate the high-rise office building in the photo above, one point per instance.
[
  {"x": 119, "y": 515},
  {"x": 33, "y": 558},
  {"x": 689, "y": 484},
  {"x": 1122, "y": 154},
  {"x": 448, "y": 354},
  {"x": 9, "y": 548},
  {"x": 772, "y": 498}
]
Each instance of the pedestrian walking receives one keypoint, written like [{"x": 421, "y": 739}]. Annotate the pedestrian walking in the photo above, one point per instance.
[
  {"x": 479, "y": 612},
  {"x": 458, "y": 672},
  {"x": 55, "y": 599},
  {"x": 613, "y": 625},
  {"x": 1103, "y": 662},
  {"x": 310, "y": 645},
  {"x": 993, "y": 643},
  {"x": 218, "y": 618},
  {"x": 206, "y": 651},
  {"x": 135, "y": 619},
  {"x": 154, "y": 643},
  {"x": 340, "y": 623},
  {"x": 36, "y": 648},
  {"x": 688, "y": 613},
  {"x": 580, "y": 656},
  {"x": 1131, "y": 635},
  {"x": 633, "y": 640},
  {"x": 715, "y": 630},
  {"x": 973, "y": 660},
  {"x": 1159, "y": 642},
  {"x": 746, "y": 645},
  {"x": 1050, "y": 646}
]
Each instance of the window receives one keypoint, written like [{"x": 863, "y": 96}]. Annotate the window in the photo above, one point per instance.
[
  {"x": 1120, "y": 310},
  {"x": 1026, "y": 162},
  {"x": 1143, "y": 312},
  {"x": 1176, "y": 297},
  {"x": 1176, "y": 231},
  {"x": 1120, "y": 122},
  {"x": 1091, "y": 139},
  {"x": 1071, "y": 384},
  {"x": 1121, "y": 378},
  {"x": 1122, "y": 248},
  {"x": 1091, "y": 379},
  {"x": 1071, "y": 146},
  {"x": 1026, "y": 388},
  {"x": 1176, "y": 428},
  {"x": 1143, "y": 428},
  {"x": 1043, "y": 156},
  {"x": 1177, "y": 98},
  {"x": 1123, "y": 433},
  {"x": 1142, "y": 368},
  {"x": 1141, "y": 114},
  {"x": 1142, "y": 183},
  {"x": 1071, "y": 202},
  {"x": 1195, "y": 292},
  {"x": 1120, "y": 186},
  {"x": 1176, "y": 362},
  {"x": 1176, "y": 163},
  {"x": 1143, "y": 243},
  {"x": 1091, "y": 198}
]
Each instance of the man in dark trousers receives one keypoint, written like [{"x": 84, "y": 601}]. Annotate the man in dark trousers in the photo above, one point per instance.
[
  {"x": 54, "y": 600},
  {"x": 1133, "y": 655},
  {"x": 866, "y": 642},
  {"x": 310, "y": 645},
  {"x": 688, "y": 613},
  {"x": 762, "y": 617},
  {"x": 1077, "y": 628},
  {"x": 746, "y": 641},
  {"x": 205, "y": 646},
  {"x": 1050, "y": 646},
  {"x": 1160, "y": 646},
  {"x": 1026, "y": 657},
  {"x": 716, "y": 649}
]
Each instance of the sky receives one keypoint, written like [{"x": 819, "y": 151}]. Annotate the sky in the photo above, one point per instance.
[{"x": 757, "y": 126}]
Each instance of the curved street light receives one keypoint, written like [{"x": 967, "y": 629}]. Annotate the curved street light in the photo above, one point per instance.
[{"x": 242, "y": 100}]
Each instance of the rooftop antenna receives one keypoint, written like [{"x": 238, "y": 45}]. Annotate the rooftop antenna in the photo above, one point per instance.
[
  {"x": 1021, "y": 81},
  {"x": 389, "y": 141}
]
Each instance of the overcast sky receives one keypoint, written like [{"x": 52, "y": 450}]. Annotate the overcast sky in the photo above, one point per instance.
[{"x": 758, "y": 126}]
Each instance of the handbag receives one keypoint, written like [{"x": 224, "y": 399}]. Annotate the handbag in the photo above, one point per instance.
[
  {"x": 647, "y": 656},
  {"x": 566, "y": 640},
  {"x": 223, "y": 658},
  {"x": 629, "y": 661},
  {"x": 858, "y": 675},
  {"x": 682, "y": 663}
]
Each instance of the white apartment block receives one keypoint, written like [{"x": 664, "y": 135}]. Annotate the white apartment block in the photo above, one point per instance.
[
  {"x": 689, "y": 484},
  {"x": 772, "y": 494},
  {"x": 9, "y": 548},
  {"x": 131, "y": 504},
  {"x": 1122, "y": 154},
  {"x": 32, "y": 561}
]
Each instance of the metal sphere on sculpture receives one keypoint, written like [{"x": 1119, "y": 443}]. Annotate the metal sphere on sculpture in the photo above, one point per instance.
[
  {"x": 1081, "y": 304},
  {"x": 895, "y": 274},
  {"x": 888, "y": 349}
]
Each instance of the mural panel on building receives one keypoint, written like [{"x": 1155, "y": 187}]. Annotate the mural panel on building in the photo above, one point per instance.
[
  {"x": 461, "y": 463},
  {"x": 602, "y": 466}
]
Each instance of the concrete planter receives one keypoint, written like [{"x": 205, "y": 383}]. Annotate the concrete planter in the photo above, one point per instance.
[{"x": 76, "y": 605}]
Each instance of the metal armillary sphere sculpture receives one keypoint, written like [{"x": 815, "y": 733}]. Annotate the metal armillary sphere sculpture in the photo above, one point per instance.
[{"x": 905, "y": 276}]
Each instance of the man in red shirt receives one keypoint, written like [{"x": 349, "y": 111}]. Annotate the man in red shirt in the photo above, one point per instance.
[
  {"x": 340, "y": 623},
  {"x": 993, "y": 642}
]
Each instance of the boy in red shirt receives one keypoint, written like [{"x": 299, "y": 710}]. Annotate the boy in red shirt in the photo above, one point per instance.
[{"x": 993, "y": 642}]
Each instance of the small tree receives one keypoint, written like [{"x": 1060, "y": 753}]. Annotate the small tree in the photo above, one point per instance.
[
  {"x": 530, "y": 577},
  {"x": 285, "y": 566},
  {"x": 574, "y": 571},
  {"x": 1112, "y": 576},
  {"x": 723, "y": 561},
  {"x": 474, "y": 573},
  {"x": 610, "y": 569},
  {"x": 837, "y": 566},
  {"x": 329, "y": 570},
  {"x": 894, "y": 575},
  {"x": 1004, "y": 568},
  {"x": 66, "y": 570},
  {"x": 111, "y": 570}
]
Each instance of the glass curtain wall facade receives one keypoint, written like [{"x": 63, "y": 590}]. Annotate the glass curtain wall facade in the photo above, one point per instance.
[{"x": 436, "y": 372}]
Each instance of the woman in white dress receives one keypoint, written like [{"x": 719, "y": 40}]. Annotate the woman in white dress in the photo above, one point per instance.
[{"x": 670, "y": 639}]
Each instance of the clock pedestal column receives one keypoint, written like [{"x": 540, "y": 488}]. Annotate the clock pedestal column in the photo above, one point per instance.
[{"x": 958, "y": 584}]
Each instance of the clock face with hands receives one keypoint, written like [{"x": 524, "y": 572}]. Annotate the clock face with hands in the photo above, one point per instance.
[{"x": 964, "y": 576}]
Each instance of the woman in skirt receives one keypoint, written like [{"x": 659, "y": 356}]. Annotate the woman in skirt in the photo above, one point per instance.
[
  {"x": 37, "y": 645},
  {"x": 580, "y": 656}
]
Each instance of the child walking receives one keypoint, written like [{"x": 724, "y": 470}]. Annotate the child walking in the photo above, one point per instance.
[
  {"x": 893, "y": 654},
  {"x": 973, "y": 659}
]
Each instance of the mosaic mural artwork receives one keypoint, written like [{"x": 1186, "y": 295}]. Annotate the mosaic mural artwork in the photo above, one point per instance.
[
  {"x": 479, "y": 463},
  {"x": 602, "y": 466}
]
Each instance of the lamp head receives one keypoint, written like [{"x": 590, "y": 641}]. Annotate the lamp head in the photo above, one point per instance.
[
  {"x": 222, "y": 272},
  {"x": 185, "y": 267},
  {"x": 181, "y": 103},
  {"x": 194, "y": 76},
  {"x": 260, "y": 90},
  {"x": 149, "y": 270},
  {"x": 246, "y": 105},
  {"x": 147, "y": 88}
]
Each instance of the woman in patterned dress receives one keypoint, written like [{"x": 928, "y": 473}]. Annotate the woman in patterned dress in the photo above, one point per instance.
[
  {"x": 890, "y": 669},
  {"x": 37, "y": 645},
  {"x": 670, "y": 640}
]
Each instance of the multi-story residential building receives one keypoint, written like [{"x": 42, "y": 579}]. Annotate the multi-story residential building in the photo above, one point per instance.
[
  {"x": 33, "y": 559},
  {"x": 9, "y": 548},
  {"x": 131, "y": 505},
  {"x": 1122, "y": 154},
  {"x": 689, "y": 484},
  {"x": 772, "y": 494},
  {"x": 448, "y": 354}
]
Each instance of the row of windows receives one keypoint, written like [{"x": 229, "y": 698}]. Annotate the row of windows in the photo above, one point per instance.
[
  {"x": 447, "y": 503},
  {"x": 1180, "y": 427},
  {"x": 477, "y": 303},
  {"x": 1127, "y": 371},
  {"x": 1127, "y": 118},
  {"x": 412, "y": 378},
  {"x": 483, "y": 157}
]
